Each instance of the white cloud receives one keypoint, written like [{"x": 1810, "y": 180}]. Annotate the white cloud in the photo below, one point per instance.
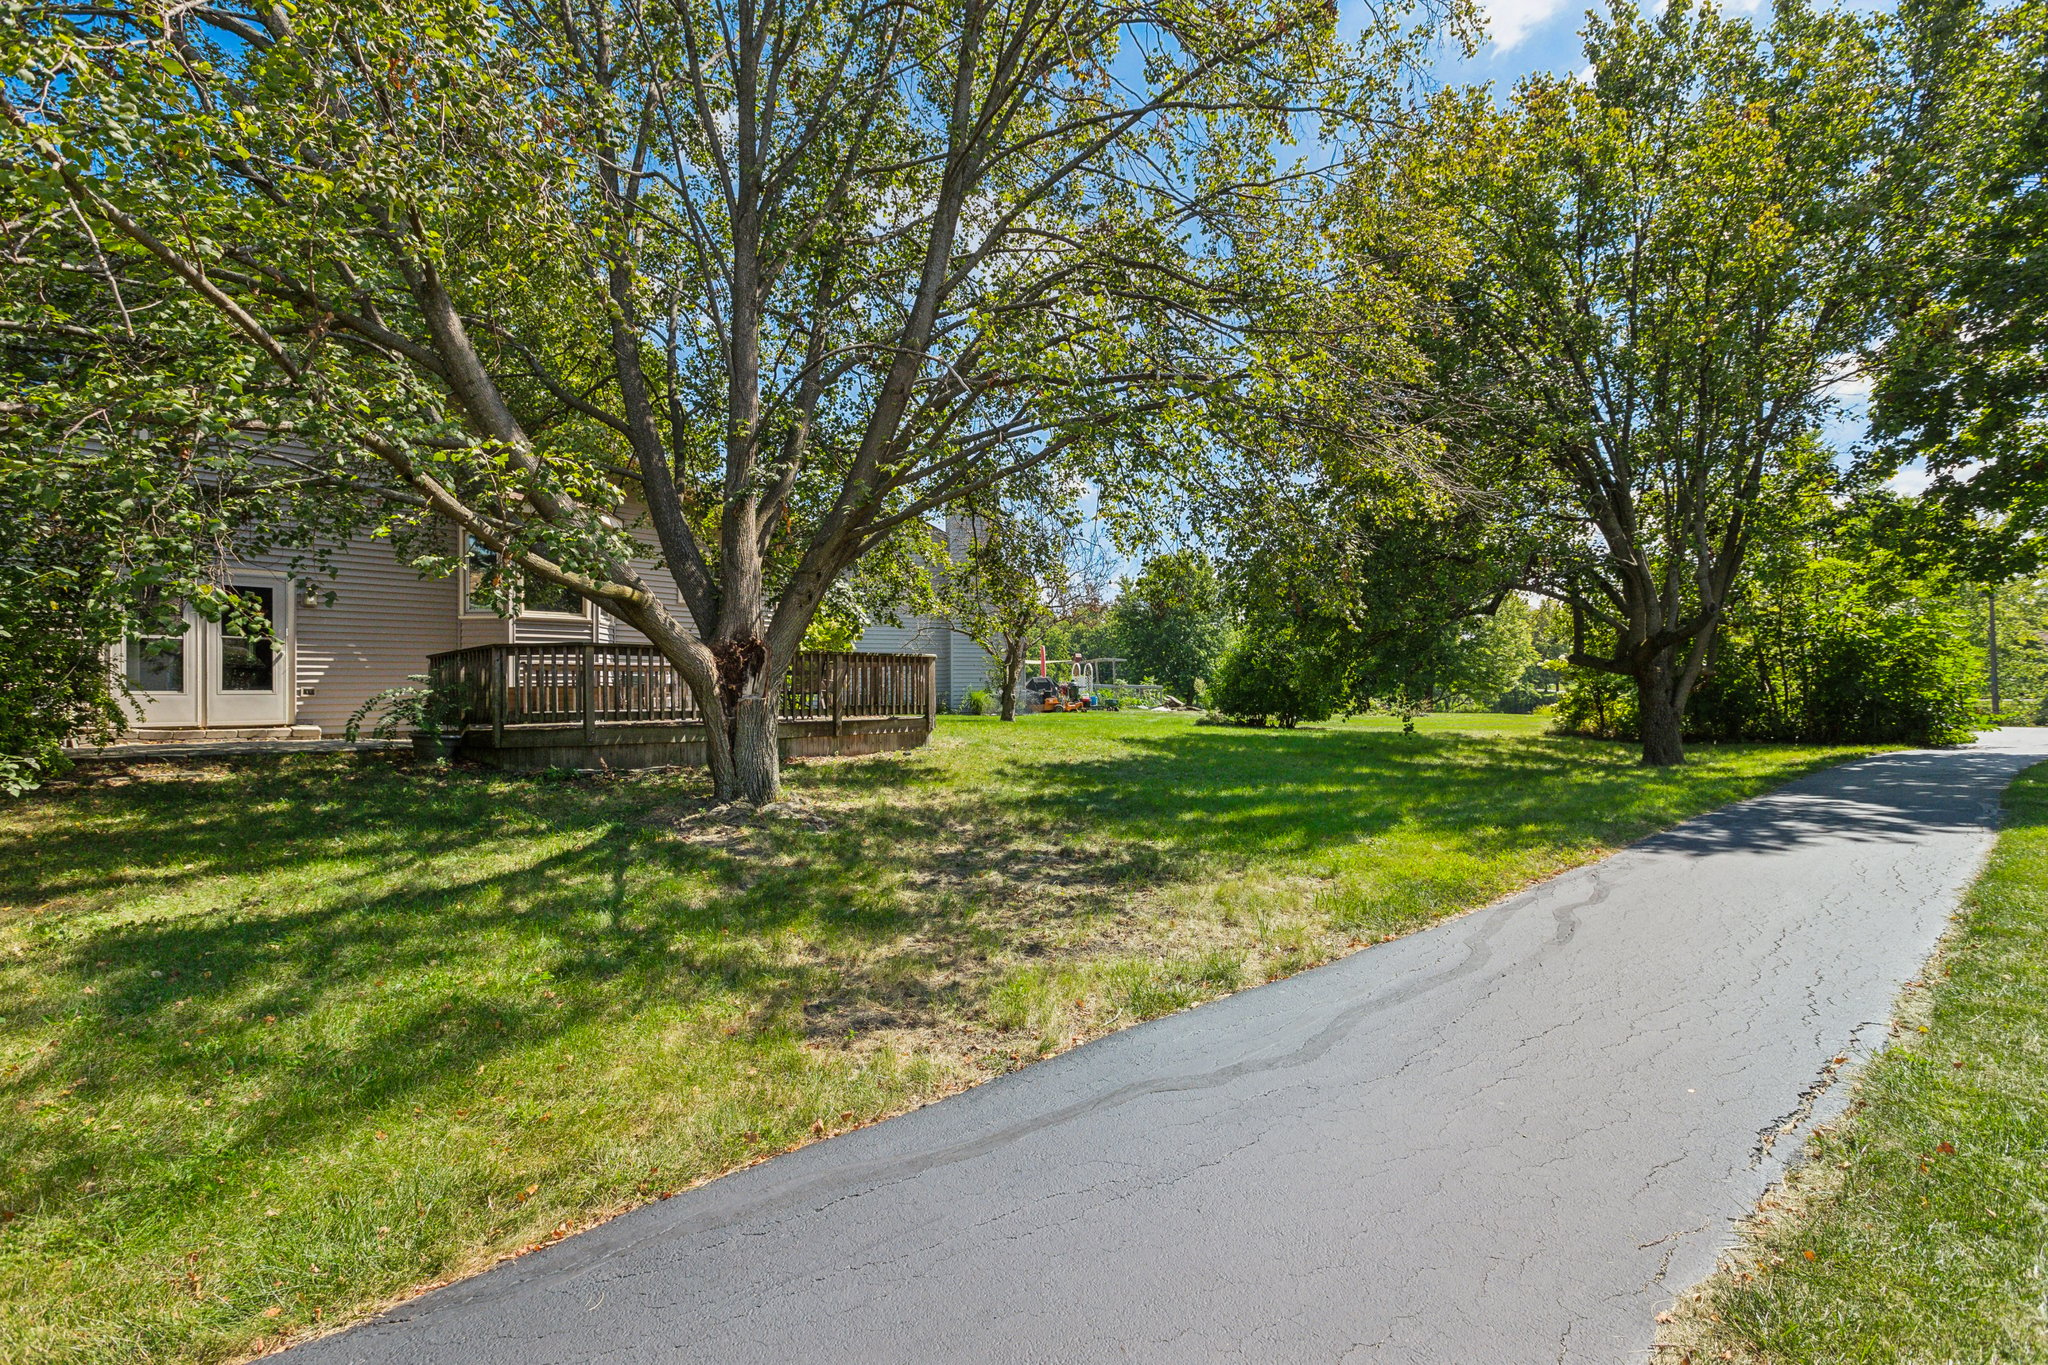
[
  {"x": 1508, "y": 22},
  {"x": 1848, "y": 382},
  {"x": 1909, "y": 481}
]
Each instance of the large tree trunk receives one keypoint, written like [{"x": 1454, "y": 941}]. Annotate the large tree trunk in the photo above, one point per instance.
[
  {"x": 740, "y": 724},
  {"x": 1659, "y": 713},
  {"x": 756, "y": 757},
  {"x": 742, "y": 750}
]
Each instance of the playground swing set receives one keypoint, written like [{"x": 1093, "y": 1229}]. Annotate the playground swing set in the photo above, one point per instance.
[{"x": 1080, "y": 684}]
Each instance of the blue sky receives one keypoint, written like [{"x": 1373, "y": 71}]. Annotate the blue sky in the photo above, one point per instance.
[{"x": 1525, "y": 36}]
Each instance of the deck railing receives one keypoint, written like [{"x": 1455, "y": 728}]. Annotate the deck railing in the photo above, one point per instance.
[{"x": 595, "y": 685}]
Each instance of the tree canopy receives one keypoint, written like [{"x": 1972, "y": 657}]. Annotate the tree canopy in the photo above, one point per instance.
[
  {"x": 1664, "y": 267},
  {"x": 684, "y": 306},
  {"x": 1962, "y": 380}
]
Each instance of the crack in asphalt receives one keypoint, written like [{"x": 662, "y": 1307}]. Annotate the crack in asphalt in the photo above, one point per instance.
[{"x": 1550, "y": 1111}]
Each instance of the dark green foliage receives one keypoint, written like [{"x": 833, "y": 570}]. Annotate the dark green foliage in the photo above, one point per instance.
[
  {"x": 1597, "y": 706},
  {"x": 1842, "y": 671},
  {"x": 1170, "y": 621},
  {"x": 1963, "y": 378},
  {"x": 95, "y": 540},
  {"x": 1266, "y": 675},
  {"x": 1829, "y": 644},
  {"x": 55, "y": 629}
]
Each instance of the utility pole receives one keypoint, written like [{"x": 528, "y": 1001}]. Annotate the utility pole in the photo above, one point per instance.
[{"x": 1991, "y": 641}]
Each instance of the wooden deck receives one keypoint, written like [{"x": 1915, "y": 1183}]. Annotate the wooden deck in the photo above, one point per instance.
[{"x": 623, "y": 706}]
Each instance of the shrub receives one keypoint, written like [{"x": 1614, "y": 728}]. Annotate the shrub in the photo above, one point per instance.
[
  {"x": 418, "y": 708},
  {"x": 1262, "y": 678},
  {"x": 1520, "y": 700},
  {"x": 1596, "y": 706},
  {"x": 978, "y": 703},
  {"x": 1827, "y": 663}
]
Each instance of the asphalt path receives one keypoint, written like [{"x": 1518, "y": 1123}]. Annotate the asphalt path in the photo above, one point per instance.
[{"x": 1513, "y": 1137}]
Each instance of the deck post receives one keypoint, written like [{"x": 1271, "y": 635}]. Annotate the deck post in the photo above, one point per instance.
[
  {"x": 838, "y": 708},
  {"x": 931, "y": 693},
  {"x": 586, "y": 693},
  {"x": 497, "y": 697}
]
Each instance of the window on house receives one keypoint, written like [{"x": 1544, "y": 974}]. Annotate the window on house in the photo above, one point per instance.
[
  {"x": 156, "y": 663},
  {"x": 534, "y": 597},
  {"x": 248, "y": 663}
]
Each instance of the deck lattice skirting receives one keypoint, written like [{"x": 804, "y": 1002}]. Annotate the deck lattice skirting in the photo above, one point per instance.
[{"x": 623, "y": 706}]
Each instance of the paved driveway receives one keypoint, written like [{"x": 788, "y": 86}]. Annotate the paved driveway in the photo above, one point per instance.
[{"x": 1511, "y": 1138}]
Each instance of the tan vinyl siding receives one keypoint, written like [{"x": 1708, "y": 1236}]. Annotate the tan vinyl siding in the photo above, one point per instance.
[
  {"x": 482, "y": 629},
  {"x": 382, "y": 624},
  {"x": 550, "y": 629},
  {"x": 657, "y": 577}
]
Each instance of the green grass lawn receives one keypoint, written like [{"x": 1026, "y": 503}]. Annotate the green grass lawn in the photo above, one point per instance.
[
  {"x": 1917, "y": 1229},
  {"x": 282, "y": 1038}
]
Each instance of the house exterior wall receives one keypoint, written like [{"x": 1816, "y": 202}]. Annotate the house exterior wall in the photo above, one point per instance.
[
  {"x": 962, "y": 665},
  {"x": 381, "y": 623},
  {"x": 969, "y": 668},
  {"x": 373, "y": 623},
  {"x": 547, "y": 630}
]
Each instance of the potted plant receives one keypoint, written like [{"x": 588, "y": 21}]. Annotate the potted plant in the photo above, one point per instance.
[{"x": 432, "y": 717}]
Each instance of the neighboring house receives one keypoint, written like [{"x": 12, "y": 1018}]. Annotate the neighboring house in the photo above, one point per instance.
[
  {"x": 963, "y": 666},
  {"x": 371, "y": 626}
]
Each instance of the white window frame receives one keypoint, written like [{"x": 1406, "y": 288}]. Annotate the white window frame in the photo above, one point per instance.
[{"x": 471, "y": 608}]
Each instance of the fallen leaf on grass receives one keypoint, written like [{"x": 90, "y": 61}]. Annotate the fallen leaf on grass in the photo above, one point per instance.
[{"x": 272, "y": 1312}]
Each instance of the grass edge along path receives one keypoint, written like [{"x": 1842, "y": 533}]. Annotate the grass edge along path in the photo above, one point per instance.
[
  {"x": 284, "y": 1040},
  {"x": 1915, "y": 1229}
]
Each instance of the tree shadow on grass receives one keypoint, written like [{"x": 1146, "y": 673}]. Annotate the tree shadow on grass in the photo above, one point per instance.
[
  {"x": 362, "y": 992},
  {"x": 1251, "y": 794},
  {"x": 895, "y": 904},
  {"x": 248, "y": 815}
]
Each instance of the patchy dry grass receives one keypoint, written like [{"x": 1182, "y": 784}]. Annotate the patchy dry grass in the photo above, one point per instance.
[
  {"x": 283, "y": 1038},
  {"x": 1916, "y": 1230}
]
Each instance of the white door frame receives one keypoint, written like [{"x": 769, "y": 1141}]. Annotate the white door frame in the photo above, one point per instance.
[
  {"x": 225, "y": 708},
  {"x": 205, "y": 703},
  {"x": 179, "y": 709}
]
